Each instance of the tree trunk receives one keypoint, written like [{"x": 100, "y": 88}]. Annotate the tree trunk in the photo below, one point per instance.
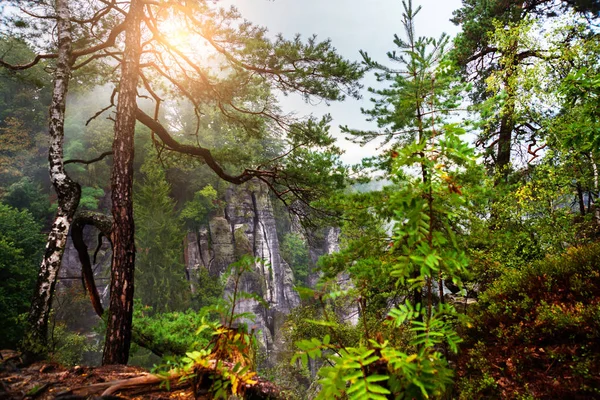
[
  {"x": 118, "y": 332},
  {"x": 504, "y": 141},
  {"x": 595, "y": 195},
  {"x": 68, "y": 193},
  {"x": 104, "y": 224},
  {"x": 507, "y": 120}
]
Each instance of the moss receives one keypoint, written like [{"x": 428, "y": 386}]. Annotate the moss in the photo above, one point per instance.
[{"x": 242, "y": 243}]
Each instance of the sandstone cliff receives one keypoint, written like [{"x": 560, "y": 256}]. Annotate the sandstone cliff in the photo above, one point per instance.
[{"x": 247, "y": 226}]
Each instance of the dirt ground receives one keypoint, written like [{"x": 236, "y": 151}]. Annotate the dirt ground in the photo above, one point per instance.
[
  {"x": 43, "y": 381},
  {"x": 51, "y": 381}
]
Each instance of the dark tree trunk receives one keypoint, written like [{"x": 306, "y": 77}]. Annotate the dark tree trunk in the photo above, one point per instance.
[
  {"x": 504, "y": 142},
  {"x": 580, "y": 199},
  {"x": 118, "y": 332},
  {"x": 68, "y": 193},
  {"x": 507, "y": 121},
  {"x": 104, "y": 224}
]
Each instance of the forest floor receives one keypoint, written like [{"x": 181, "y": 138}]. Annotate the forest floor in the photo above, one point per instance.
[
  {"x": 52, "y": 381},
  {"x": 41, "y": 381}
]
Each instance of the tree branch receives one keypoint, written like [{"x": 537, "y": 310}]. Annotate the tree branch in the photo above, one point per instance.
[
  {"x": 104, "y": 224},
  {"x": 87, "y": 162},
  {"x": 110, "y": 41},
  {"x": 198, "y": 151}
]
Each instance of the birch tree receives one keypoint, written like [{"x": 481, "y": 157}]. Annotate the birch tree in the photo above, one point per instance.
[{"x": 68, "y": 191}]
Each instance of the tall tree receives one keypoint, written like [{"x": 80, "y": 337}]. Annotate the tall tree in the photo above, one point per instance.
[
  {"x": 159, "y": 271},
  {"x": 118, "y": 332},
  {"x": 412, "y": 112},
  {"x": 68, "y": 191},
  {"x": 313, "y": 69},
  {"x": 425, "y": 164},
  {"x": 494, "y": 41},
  {"x": 479, "y": 56}
]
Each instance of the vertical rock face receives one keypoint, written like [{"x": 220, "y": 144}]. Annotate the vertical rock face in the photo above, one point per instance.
[
  {"x": 326, "y": 242},
  {"x": 247, "y": 227}
]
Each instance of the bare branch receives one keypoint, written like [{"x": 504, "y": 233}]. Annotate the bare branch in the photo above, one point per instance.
[
  {"x": 112, "y": 104},
  {"x": 198, "y": 151},
  {"x": 87, "y": 162}
]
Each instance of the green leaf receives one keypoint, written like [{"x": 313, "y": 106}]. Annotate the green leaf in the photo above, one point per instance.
[{"x": 377, "y": 378}]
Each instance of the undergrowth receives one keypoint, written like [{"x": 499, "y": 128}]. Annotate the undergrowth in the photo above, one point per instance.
[{"x": 536, "y": 332}]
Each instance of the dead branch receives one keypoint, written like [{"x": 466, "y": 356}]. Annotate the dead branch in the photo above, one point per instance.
[
  {"x": 111, "y": 387},
  {"x": 534, "y": 153},
  {"x": 263, "y": 389}
]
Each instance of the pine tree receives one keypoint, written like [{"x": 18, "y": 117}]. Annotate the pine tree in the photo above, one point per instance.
[
  {"x": 426, "y": 165},
  {"x": 160, "y": 275}
]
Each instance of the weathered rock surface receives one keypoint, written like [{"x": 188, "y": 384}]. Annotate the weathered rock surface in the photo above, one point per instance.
[{"x": 247, "y": 227}]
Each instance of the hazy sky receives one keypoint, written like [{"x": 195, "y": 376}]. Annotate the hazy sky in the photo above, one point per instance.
[{"x": 352, "y": 25}]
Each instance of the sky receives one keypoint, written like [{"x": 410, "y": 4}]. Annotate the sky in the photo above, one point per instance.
[{"x": 352, "y": 25}]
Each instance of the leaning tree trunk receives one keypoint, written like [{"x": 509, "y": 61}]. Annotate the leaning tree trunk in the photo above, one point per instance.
[
  {"x": 68, "y": 192},
  {"x": 118, "y": 332},
  {"x": 104, "y": 224}
]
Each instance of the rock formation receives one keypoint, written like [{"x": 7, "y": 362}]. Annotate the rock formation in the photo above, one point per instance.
[{"x": 247, "y": 226}]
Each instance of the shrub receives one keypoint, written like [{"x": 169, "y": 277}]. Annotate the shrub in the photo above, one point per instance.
[{"x": 537, "y": 332}]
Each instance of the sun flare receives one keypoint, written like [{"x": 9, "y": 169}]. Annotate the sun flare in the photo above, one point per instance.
[{"x": 182, "y": 39}]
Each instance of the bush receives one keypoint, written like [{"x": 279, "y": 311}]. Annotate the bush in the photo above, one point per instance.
[
  {"x": 537, "y": 332},
  {"x": 172, "y": 333},
  {"x": 68, "y": 348}
]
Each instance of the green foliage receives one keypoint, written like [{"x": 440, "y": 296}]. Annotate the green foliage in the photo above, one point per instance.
[
  {"x": 314, "y": 320},
  {"x": 228, "y": 358},
  {"x": 90, "y": 197},
  {"x": 67, "y": 347},
  {"x": 536, "y": 331},
  {"x": 175, "y": 333},
  {"x": 86, "y": 139},
  {"x": 21, "y": 246},
  {"x": 425, "y": 210},
  {"x": 25, "y": 194},
  {"x": 422, "y": 374},
  {"x": 24, "y": 99},
  {"x": 295, "y": 251},
  {"x": 160, "y": 273},
  {"x": 196, "y": 211},
  {"x": 208, "y": 290}
]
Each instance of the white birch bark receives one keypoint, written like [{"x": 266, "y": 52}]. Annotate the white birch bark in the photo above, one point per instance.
[{"x": 68, "y": 192}]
